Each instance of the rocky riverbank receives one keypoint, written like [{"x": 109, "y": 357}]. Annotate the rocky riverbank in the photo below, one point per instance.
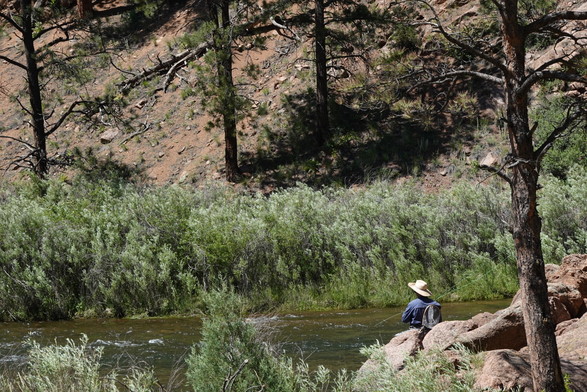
[{"x": 501, "y": 337}]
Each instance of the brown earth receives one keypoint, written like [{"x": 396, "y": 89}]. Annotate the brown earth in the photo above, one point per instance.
[{"x": 173, "y": 142}]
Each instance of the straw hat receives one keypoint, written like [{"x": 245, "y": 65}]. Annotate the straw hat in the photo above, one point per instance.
[{"x": 421, "y": 288}]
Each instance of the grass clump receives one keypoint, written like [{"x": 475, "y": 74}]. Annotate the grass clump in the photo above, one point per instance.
[
  {"x": 448, "y": 371},
  {"x": 72, "y": 368}
]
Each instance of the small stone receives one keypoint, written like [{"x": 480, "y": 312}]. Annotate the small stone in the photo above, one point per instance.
[
  {"x": 107, "y": 136},
  {"x": 489, "y": 160}
]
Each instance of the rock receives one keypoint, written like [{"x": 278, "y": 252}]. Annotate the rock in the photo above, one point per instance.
[
  {"x": 572, "y": 272},
  {"x": 504, "y": 331},
  {"x": 559, "y": 311},
  {"x": 396, "y": 352},
  {"x": 505, "y": 370},
  {"x": 510, "y": 370},
  {"x": 567, "y": 285},
  {"x": 446, "y": 333},
  {"x": 569, "y": 297},
  {"x": 489, "y": 160},
  {"x": 107, "y": 136},
  {"x": 572, "y": 341}
]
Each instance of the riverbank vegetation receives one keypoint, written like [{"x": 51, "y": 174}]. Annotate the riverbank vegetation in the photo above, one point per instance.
[
  {"x": 103, "y": 248},
  {"x": 233, "y": 355}
]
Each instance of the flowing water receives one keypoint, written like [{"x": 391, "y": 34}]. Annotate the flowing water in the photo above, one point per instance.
[{"x": 329, "y": 338}]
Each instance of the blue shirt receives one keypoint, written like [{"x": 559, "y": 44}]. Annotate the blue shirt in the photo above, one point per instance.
[{"x": 415, "y": 310}]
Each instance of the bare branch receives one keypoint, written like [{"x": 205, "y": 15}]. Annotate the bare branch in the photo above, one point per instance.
[
  {"x": 552, "y": 18},
  {"x": 60, "y": 26},
  {"x": 11, "y": 21},
  {"x": 463, "y": 45},
  {"x": 171, "y": 66},
  {"x": 13, "y": 62},
  {"x": 28, "y": 145},
  {"x": 498, "y": 172},
  {"x": 449, "y": 75},
  {"x": 145, "y": 128},
  {"x": 120, "y": 69},
  {"x": 284, "y": 27},
  {"x": 535, "y": 77},
  {"x": 24, "y": 108},
  {"x": 64, "y": 116},
  {"x": 557, "y": 132}
]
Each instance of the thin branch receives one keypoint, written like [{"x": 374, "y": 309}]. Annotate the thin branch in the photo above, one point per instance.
[
  {"x": 449, "y": 75},
  {"x": 495, "y": 172},
  {"x": 24, "y": 108},
  {"x": 60, "y": 26},
  {"x": 163, "y": 66},
  {"x": 230, "y": 379},
  {"x": 120, "y": 69},
  {"x": 145, "y": 128},
  {"x": 284, "y": 27}
]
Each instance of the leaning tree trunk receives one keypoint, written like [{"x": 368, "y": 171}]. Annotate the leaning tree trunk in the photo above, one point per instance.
[
  {"x": 226, "y": 83},
  {"x": 538, "y": 322},
  {"x": 322, "y": 124},
  {"x": 39, "y": 156}
]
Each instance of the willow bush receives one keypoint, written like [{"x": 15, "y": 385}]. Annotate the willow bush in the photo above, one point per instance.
[{"x": 97, "y": 248}]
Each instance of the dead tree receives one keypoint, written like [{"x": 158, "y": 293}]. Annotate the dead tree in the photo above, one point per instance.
[{"x": 511, "y": 73}]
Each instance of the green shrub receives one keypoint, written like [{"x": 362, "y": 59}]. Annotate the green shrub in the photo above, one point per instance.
[
  {"x": 231, "y": 356},
  {"x": 427, "y": 371}
]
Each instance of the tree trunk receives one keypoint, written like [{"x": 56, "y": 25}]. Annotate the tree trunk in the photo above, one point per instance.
[
  {"x": 322, "y": 123},
  {"x": 85, "y": 8},
  {"x": 538, "y": 322},
  {"x": 40, "y": 164},
  {"x": 228, "y": 100}
]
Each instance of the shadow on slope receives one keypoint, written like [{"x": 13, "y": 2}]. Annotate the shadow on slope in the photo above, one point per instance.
[{"x": 364, "y": 143}]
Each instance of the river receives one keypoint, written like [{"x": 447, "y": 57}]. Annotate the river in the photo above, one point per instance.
[{"x": 329, "y": 338}]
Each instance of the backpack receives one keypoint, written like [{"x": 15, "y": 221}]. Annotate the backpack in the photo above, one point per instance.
[{"x": 431, "y": 316}]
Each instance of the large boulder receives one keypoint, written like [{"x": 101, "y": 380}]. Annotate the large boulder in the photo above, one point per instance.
[
  {"x": 510, "y": 370},
  {"x": 506, "y": 330},
  {"x": 446, "y": 334},
  {"x": 395, "y": 353},
  {"x": 505, "y": 370},
  {"x": 572, "y": 273},
  {"x": 572, "y": 340}
]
